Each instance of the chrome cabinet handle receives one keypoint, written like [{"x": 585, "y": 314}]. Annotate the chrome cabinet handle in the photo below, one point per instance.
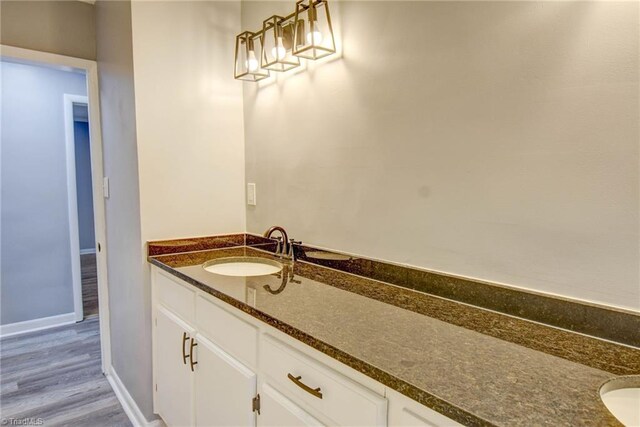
[
  {"x": 185, "y": 356},
  {"x": 314, "y": 391},
  {"x": 193, "y": 344}
]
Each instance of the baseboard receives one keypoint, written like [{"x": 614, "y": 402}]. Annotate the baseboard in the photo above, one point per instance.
[
  {"x": 27, "y": 326},
  {"x": 87, "y": 251},
  {"x": 128, "y": 404}
]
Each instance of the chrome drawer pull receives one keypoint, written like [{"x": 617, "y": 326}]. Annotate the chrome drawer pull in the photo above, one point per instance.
[{"x": 314, "y": 391}]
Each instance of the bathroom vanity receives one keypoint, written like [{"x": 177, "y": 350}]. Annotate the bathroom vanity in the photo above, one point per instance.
[
  {"x": 310, "y": 345},
  {"x": 215, "y": 365}
]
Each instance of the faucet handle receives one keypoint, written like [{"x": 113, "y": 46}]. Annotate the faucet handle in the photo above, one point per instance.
[
  {"x": 292, "y": 254},
  {"x": 278, "y": 245}
]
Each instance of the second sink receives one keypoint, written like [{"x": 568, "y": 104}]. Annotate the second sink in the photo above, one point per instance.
[
  {"x": 621, "y": 396},
  {"x": 242, "y": 266}
]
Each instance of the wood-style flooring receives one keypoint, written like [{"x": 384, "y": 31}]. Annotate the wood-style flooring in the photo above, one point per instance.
[
  {"x": 55, "y": 376},
  {"x": 89, "y": 285}
]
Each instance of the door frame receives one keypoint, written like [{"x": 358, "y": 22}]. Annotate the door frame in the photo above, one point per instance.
[
  {"x": 72, "y": 199},
  {"x": 90, "y": 68}
]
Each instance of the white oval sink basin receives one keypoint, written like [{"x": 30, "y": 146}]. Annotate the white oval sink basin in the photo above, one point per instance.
[
  {"x": 621, "y": 396},
  {"x": 242, "y": 266}
]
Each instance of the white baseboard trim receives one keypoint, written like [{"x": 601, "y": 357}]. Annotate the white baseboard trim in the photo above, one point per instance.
[
  {"x": 128, "y": 404},
  {"x": 27, "y": 326},
  {"x": 87, "y": 251}
]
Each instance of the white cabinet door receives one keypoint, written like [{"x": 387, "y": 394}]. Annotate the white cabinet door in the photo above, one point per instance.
[
  {"x": 278, "y": 411},
  {"x": 404, "y": 412},
  {"x": 174, "y": 379},
  {"x": 225, "y": 388}
]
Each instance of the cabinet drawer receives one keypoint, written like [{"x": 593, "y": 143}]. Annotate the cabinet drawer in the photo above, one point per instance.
[
  {"x": 342, "y": 400},
  {"x": 230, "y": 332},
  {"x": 175, "y": 295}
]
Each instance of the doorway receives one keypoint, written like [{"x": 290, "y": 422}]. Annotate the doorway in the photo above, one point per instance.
[
  {"x": 81, "y": 218},
  {"x": 32, "y": 303},
  {"x": 47, "y": 200},
  {"x": 41, "y": 321}
]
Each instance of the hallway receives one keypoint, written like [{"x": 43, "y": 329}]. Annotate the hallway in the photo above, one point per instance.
[
  {"x": 89, "y": 285},
  {"x": 55, "y": 375}
]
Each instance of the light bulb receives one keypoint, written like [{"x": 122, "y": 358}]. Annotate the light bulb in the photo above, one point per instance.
[
  {"x": 278, "y": 50},
  {"x": 314, "y": 37},
  {"x": 252, "y": 62}
]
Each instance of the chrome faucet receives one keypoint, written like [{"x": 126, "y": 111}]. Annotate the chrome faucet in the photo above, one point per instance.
[
  {"x": 281, "y": 248},
  {"x": 284, "y": 245}
]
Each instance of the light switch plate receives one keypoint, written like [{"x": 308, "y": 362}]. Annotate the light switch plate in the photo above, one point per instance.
[
  {"x": 105, "y": 187},
  {"x": 251, "y": 194}
]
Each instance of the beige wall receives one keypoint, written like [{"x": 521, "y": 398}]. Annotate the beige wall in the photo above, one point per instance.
[
  {"x": 189, "y": 118},
  {"x": 496, "y": 140},
  {"x": 129, "y": 291},
  {"x": 62, "y": 27}
]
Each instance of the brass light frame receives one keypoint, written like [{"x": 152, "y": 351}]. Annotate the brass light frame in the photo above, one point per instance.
[
  {"x": 311, "y": 51},
  {"x": 247, "y": 41},
  {"x": 279, "y": 27}
]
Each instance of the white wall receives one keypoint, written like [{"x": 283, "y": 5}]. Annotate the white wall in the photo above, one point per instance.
[
  {"x": 189, "y": 118},
  {"x": 174, "y": 150},
  {"x": 496, "y": 140},
  {"x": 35, "y": 217},
  {"x": 129, "y": 294}
]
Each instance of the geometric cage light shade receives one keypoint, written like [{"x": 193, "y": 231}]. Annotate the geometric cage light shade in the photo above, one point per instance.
[
  {"x": 277, "y": 40},
  {"x": 248, "y": 54},
  {"x": 313, "y": 35},
  {"x": 305, "y": 33}
]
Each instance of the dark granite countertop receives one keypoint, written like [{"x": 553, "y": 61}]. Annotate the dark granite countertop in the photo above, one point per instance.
[{"x": 472, "y": 377}]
